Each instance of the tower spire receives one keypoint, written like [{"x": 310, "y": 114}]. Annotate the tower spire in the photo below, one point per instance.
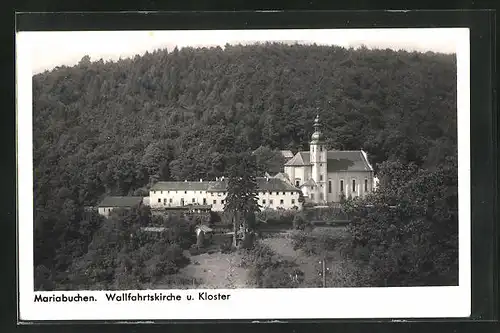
[
  {"x": 316, "y": 123},
  {"x": 317, "y": 135}
]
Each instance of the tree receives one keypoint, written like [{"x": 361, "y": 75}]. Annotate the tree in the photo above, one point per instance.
[
  {"x": 407, "y": 231},
  {"x": 241, "y": 199}
]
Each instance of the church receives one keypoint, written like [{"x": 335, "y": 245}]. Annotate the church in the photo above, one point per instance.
[{"x": 328, "y": 175}]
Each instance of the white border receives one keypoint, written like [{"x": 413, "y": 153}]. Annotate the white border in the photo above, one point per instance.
[{"x": 404, "y": 302}]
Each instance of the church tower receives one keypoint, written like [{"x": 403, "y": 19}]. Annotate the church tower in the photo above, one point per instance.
[{"x": 318, "y": 160}]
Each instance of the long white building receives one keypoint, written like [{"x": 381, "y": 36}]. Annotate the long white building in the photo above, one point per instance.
[{"x": 272, "y": 193}]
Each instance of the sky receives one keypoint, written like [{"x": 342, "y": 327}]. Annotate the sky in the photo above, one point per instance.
[{"x": 56, "y": 48}]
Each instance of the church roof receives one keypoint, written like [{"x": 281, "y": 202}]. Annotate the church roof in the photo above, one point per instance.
[
  {"x": 120, "y": 202},
  {"x": 300, "y": 159},
  {"x": 337, "y": 160},
  {"x": 263, "y": 184}
]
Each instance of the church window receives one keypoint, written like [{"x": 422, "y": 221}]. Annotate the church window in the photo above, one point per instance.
[
  {"x": 193, "y": 200},
  {"x": 329, "y": 186},
  {"x": 366, "y": 185},
  {"x": 284, "y": 193},
  {"x": 297, "y": 183},
  {"x": 293, "y": 201},
  {"x": 170, "y": 200},
  {"x": 281, "y": 201},
  {"x": 215, "y": 202},
  {"x": 270, "y": 201},
  {"x": 341, "y": 186},
  {"x": 291, "y": 193},
  {"x": 159, "y": 200},
  {"x": 320, "y": 177},
  {"x": 185, "y": 192},
  {"x": 263, "y": 201},
  {"x": 204, "y": 201},
  {"x": 354, "y": 185}
]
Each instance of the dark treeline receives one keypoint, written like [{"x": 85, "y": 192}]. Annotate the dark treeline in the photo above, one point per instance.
[{"x": 116, "y": 127}]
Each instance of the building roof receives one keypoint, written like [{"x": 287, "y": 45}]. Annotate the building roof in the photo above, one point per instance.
[
  {"x": 182, "y": 186},
  {"x": 287, "y": 153},
  {"x": 204, "y": 228},
  {"x": 263, "y": 184},
  {"x": 282, "y": 176},
  {"x": 310, "y": 183},
  {"x": 154, "y": 229},
  {"x": 337, "y": 160},
  {"x": 120, "y": 202}
]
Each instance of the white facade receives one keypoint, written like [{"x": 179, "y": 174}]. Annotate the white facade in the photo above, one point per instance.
[
  {"x": 273, "y": 193},
  {"x": 105, "y": 211},
  {"x": 175, "y": 198}
]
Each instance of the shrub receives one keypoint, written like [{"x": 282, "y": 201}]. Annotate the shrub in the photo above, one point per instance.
[
  {"x": 283, "y": 275},
  {"x": 268, "y": 270}
]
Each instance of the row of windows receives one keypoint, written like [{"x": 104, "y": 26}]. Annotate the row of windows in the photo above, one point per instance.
[
  {"x": 224, "y": 193},
  {"x": 281, "y": 201},
  {"x": 193, "y": 200},
  {"x": 185, "y": 192}
]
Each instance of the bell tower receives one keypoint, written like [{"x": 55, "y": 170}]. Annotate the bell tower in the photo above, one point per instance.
[{"x": 318, "y": 159}]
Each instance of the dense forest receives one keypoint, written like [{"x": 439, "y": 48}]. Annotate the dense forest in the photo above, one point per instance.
[{"x": 116, "y": 127}]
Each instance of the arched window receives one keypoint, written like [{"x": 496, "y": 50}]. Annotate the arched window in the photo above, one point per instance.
[
  {"x": 341, "y": 185},
  {"x": 354, "y": 185}
]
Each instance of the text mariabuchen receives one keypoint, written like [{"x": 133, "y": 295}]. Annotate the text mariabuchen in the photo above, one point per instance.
[{"x": 62, "y": 298}]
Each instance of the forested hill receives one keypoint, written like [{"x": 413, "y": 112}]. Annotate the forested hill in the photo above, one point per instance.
[{"x": 114, "y": 127}]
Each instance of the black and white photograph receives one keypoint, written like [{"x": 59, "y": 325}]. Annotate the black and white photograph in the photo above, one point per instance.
[{"x": 319, "y": 166}]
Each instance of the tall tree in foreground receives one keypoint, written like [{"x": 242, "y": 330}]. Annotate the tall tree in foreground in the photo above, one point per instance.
[{"x": 241, "y": 200}]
